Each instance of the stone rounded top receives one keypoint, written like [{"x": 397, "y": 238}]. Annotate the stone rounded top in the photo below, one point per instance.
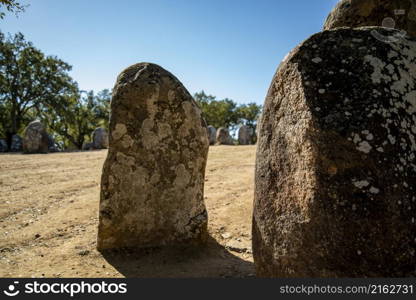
[
  {"x": 148, "y": 82},
  {"x": 152, "y": 73},
  {"x": 398, "y": 14},
  {"x": 36, "y": 125}
]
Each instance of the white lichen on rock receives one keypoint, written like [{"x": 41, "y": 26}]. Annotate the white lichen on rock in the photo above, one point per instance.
[{"x": 153, "y": 177}]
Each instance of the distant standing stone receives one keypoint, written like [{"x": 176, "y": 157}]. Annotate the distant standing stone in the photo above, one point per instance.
[
  {"x": 212, "y": 134},
  {"x": 258, "y": 125},
  {"x": 35, "y": 138},
  {"x": 153, "y": 178},
  {"x": 16, "y": 145},
  {"x": 335, "y": 171},
  {"x": 398, "y": 14},
  {"x": 3, "y": 145},
  {"x": 87, "y": 146},
  {"x": 100, "y": 138},
  {"x": 223, "y": 137},
  {"x": 52, "y": 146},
  {"x": 245, "y": 135}
]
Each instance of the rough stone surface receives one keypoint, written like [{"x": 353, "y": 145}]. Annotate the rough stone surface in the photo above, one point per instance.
[
  {"x": 16, "y": 144},
  {"x": 212, "y": 134},
  {"x": 398, "y": 14},
  {"x": 35, "y": 138},
  {"x": 100, "y": 138},
  {"x": 223, "y": 137},
  {"x": 87, "y": 146},
  {"x": 153, "y": 178},
  {"x": 258, "y": 125},
  {"x": 245, "y": 135},
  {"x": 3, "y": 145},
  {"x": 335, "y": 166},
  {"x": 52, "y": 146}
]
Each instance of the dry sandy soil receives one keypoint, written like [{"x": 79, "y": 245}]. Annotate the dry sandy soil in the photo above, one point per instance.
[{"x": 48, "y": 220}]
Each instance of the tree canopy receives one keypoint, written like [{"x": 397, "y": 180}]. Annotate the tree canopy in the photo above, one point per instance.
[
  {"x": 227, "y": 113},
  {"x": 36, "y": 86},
  {"x": 29, "y": 81},
  {"x": 12, "y": 6}
]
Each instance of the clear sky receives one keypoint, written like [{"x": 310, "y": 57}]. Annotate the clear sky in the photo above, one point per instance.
[{"x": 229, "y": 48}]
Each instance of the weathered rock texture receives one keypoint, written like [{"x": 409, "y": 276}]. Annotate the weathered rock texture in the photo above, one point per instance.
[
  {"x": 153, "y": 178},
  {"x": 398, "y": 14},
  {"x": 87, "y": 146},
  {"x": 223, "y": 137},
  {"x": 258, "y": 125},
  {"x": 100, "y": 138},
  {"x": 16, "y": 144},
  {"x": 52, "y": 146},
  {"x": 335, "y": 168},
  {"x": 212, "y": 134},
  {"x": 35, "y": 138},
  {"x": 3, "y": 145},
  {"x": 245, "y": 135}
]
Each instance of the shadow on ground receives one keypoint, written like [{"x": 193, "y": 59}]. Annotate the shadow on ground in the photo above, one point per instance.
[{"x": 212, "y": 261}]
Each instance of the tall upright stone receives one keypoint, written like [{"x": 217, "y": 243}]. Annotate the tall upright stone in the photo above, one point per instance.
[
  {"x": 16, "y": 143},
  {"x": 223, "y": 137},
  {"x": 245, "y": 135},
  {"x": 152, "y": 183},
  {"x": 398, "y": 14},
  {"x": 335, "y": 167},
  {"x": 212, "y": 134},
  {"x": 3, "y": 145},
  {"x": 86, "y": 146},
  {"x": 35, "y": 138},
  {"x": 52, "y": 145},
  {"x": 258, "y": 125},
  {"x": 100, "y": 138}
]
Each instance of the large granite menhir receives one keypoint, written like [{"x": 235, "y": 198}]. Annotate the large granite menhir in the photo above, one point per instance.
[
  {"x": 100, "y": 138},
  {"x": 398, "y": 14},
  {"x": 223, "y": 136},
  {"x": 212, "y": 134},
  {"x": 245, "y": 135},
  {"x": 153, "y": 178},
  {"x": 35, "y": 138},
  {"x": 335, "y": 183}
]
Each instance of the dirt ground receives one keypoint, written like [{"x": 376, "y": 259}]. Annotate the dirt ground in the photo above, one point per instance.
[{"x": 49, "y": 216}]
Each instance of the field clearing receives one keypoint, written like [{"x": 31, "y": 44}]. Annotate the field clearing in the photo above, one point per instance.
[{"x": 49, "y": 216}]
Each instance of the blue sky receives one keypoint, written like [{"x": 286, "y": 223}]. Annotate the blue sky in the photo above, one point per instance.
[{"x": 228, "y": 48}]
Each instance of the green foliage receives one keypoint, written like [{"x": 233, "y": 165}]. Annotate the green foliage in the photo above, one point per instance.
[
  {"x": 35, "y": 86},
  {"x": 226, "y": 113},
  {"x": 248, "y": 114},
  {"x": 75, "y": 122},
  {"x": 30, "y": 82},
  {"x": 102, "y": 107},
  {"x": 11, "y": 6},
  {"x": 218, "y": 113}
]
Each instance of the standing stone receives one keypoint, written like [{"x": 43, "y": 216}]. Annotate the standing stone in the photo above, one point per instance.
[
  {"x": 245, "y": 135},
  {"x": 398, "y": 14},
  {"x": 35, "y": 138},
  {"x": 100, "y": 138},
  {"x": 223, "y": 137},
  {"x": 52, "y": 146},
  {"x": 335, "y": 167},
  {"x": 153, "y": 178},
  {"x": 258, "y": 125},
  {"x": 87, "y": 146},
  {"x": 3, "y": 145},
  {"x": 212, "y": 134},
  {"x": 16, "y": 144}
]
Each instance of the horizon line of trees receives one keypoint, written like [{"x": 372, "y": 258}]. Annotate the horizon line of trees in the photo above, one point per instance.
[{"x": 36, "y": 86}]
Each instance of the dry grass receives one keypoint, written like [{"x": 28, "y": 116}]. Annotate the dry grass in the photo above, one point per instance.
[{"x": 48, "y": 220}]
